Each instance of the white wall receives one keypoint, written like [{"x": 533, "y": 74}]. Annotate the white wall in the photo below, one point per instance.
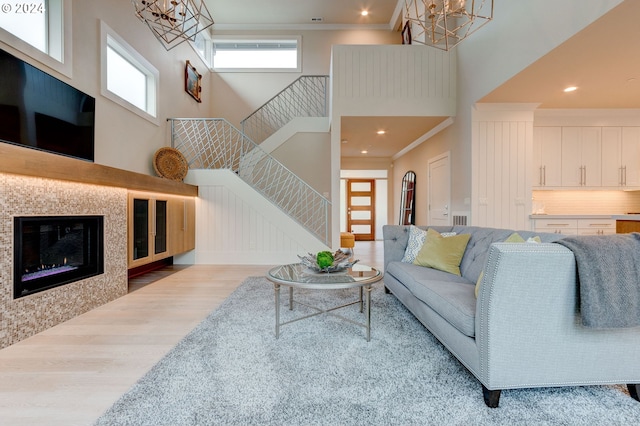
[
  {"x": 236, "y": 225},
  {"x": 308, "y": 155},
  {"x": 236, "y": 95},
  {"x": 123, "y": 139},
  {"x": 520, "y": 33}
]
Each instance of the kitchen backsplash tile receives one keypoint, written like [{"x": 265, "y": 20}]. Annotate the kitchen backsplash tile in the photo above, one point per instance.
[{"x": 587, "y": 202}]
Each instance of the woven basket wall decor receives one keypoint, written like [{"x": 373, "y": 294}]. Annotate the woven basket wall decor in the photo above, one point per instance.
[{"x": 170, "y": 163}]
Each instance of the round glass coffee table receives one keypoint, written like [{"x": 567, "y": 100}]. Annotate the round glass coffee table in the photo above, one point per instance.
[{"x": 297, "y": 275}]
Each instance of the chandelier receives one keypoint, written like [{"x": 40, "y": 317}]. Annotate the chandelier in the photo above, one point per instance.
[
  {"x": 173, "y": 21},
  {"x": 445, "y": 23}
]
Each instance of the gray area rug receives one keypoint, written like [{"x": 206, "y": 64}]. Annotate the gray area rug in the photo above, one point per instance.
[{"x": 230, "y": 370}]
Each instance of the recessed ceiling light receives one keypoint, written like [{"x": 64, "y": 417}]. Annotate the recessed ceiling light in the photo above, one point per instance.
[
  {"x": 381, "y": 132},
  {"x": 364, "y": 151},
  {"x": 364, "y": 12},
  {"x": 570, "y": 89}
]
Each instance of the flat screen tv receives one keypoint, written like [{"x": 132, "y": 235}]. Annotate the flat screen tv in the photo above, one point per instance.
[{"x": 41, "y": 112}]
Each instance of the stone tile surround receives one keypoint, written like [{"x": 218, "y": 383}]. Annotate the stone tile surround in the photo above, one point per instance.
[{"x": 32, "y": 196}]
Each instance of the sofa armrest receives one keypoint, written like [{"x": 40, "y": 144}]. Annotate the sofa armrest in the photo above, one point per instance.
[{"x": 528, "y": 327}]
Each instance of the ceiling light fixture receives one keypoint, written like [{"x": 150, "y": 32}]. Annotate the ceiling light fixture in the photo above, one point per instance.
[
  {"x": 570, "y": 89},
  {"x": 173, "y": 21},
  {"x": 364, "y": 13},
  {"x": 364, "y": 151},
  {"x": 381, "y": 132},
  {"x": 445, "y": 23}
]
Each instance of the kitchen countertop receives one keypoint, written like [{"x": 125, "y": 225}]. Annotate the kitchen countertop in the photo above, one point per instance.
[
  {"x": 631, "y": 217},
  {"x": 635, "y": 217},
  {"x": 575, "y": 216}
]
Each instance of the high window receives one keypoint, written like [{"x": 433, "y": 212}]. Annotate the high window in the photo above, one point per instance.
[
  {"x": 264, "y": 54},
  {"x": 40, "y": 29},
  {"x": 128, "y": 78},
  {"x": 203, "y": 46}
]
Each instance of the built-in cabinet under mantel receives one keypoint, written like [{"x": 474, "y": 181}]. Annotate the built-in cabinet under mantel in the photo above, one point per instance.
[
  {"x": 65, "y": 193},
  {"x": 159, "y": 226}
]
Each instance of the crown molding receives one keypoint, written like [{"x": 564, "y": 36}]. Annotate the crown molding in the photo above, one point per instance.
[{"x": 302, "y": 27}]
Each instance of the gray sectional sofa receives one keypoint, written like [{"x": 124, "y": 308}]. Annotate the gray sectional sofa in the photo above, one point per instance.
[{"x": 524, "y": 329}]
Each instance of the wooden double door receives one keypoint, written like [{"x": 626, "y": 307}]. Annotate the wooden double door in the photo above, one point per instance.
[{"x": 361, "y": 201}]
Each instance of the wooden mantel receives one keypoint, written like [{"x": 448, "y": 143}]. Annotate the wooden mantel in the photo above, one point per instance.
[{"x": 30, "y": 162}]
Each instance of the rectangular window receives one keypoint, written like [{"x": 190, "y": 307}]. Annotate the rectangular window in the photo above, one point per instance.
[
  {"x": 27, "y": 21},
  {"x": 40, "y": 29},
  {"x": 203, "y": 47},
  {"x": 264, "y": 54},
  {"x": 128, "y": 79}
]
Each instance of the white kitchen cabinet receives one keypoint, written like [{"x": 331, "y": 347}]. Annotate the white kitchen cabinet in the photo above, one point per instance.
[
  {"x": 575, "y": 225},
  {"x": 621, "y": 156},
  {"x": 596, "y": 226},
  {"x": 631, "y": 156},
  {"x": 547, "y": 149},
  {"x": 612, "y": 169},
  {"x": 556, "y": 226},
  {"x": 581, "y": 151}
]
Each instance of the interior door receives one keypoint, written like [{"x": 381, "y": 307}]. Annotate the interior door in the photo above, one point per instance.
[
  {"x": 439, "y": 191},
  {"x": 361, "y": 208}
]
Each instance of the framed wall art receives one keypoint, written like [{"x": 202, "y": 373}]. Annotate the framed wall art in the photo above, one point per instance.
[{"x": 192, "y": 82}]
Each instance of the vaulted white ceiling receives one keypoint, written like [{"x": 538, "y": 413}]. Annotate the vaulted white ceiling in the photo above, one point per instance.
[{"x": 602, "y": 60}]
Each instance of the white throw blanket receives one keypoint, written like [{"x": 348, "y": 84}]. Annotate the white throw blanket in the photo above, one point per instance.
[{"x": 609, "y": 276}]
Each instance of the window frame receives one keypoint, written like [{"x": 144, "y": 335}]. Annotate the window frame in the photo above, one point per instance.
[
  {"x": 117, "y": 44},
  {"x": 257, "y": 39},
  {"x": 207, "y": 55},
  {"x": 59, "y": 39}
]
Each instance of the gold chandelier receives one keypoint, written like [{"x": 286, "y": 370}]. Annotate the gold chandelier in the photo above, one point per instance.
[
  {"x": 445, "y": 23},
  {"x": 173, "y": 21}
]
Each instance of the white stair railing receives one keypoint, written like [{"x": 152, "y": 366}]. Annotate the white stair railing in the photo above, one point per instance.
[
  {"x": 214, "y": 143},
  {"x": 305, "y": 97}
]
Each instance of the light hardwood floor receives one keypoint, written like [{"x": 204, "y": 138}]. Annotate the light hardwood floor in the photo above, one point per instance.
[{"x": 71, "y": 373}]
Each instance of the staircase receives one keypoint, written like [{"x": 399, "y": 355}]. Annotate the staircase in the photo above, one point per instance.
[
  {"x": 305, "y": 97},
  {"x": 214, "y": 143}
]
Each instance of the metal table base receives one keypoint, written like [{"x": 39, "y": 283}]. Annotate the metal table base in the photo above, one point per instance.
[{"x": 363, "y": 303}]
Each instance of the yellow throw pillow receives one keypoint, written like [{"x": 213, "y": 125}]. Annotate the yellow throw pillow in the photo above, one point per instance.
[
  {"x": 444, "y": 254},
  {"x": 513, "y": 238}
]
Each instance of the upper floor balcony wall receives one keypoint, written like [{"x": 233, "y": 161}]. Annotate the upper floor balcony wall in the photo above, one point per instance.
[{"x": 392, "y": 80}]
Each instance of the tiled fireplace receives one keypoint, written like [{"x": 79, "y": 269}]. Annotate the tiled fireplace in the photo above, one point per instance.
[{"x": 64, "y": 208}]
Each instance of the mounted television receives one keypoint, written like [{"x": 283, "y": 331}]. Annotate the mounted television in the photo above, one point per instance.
[{"x": 41, "y": 112}]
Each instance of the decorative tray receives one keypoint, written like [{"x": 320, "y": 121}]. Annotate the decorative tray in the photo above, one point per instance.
[{"x": 340, "y": 263}]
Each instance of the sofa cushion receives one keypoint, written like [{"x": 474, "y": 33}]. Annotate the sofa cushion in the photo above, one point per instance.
[
  {"x": 405, "y": 272},
  {"x": 442, "y": 253},
  {"x": 455, "y": 302},
  {"x": 451, "y": 296}
]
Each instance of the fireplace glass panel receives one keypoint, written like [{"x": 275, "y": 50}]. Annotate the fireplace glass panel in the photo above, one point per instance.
[{"x": 56, "y": 250}]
